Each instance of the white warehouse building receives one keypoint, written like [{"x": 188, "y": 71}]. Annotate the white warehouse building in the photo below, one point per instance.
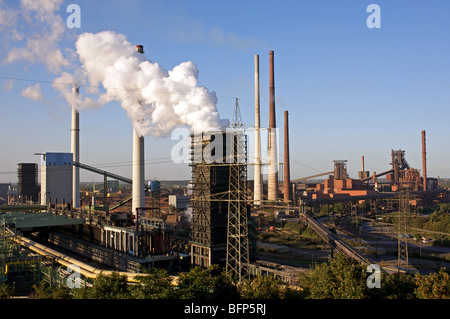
[{"x": 56, "y": 178}]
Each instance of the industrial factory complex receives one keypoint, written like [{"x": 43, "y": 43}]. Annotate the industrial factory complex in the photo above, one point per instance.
[{"x": 129, "y": 225}]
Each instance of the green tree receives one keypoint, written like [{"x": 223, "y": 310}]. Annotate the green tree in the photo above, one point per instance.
[
  {"x": 266, "y": 287},
  {"x": 433, "y": 286},
  {"x": 340, "y": 278},
  {"x": 6, "y": 291},
  {"x": 112, "y": 286},
  {"x": 45, "y": 291},
  {"x": 397, "y": 286},
  {"x": 209, "y": 283},
  {"x": 156, "y": 284}
]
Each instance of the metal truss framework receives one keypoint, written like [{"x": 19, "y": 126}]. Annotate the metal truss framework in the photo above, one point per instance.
[
  {"x": 402, "y": 238},
  {"x": 220, "y": 201},
  {"x": 237, "y": 231}
]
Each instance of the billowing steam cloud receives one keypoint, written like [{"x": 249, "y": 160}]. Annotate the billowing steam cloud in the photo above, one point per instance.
[
  {"x": 156, "y": 100},
  {"x": 33, "y": 93}
]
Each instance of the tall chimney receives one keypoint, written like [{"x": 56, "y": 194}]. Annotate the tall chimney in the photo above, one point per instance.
[
  {"x": 138, "y": 172},
  {"x": 287, "y": 175},
  {"x": 138, "y": 184},
  {"x": 273, "y": 165},
  {"x": 139, "y": 49},
  {"x": 75, "y": 148},
  {"x": 424, "y": 161},
  {"x": 257, "y": 187}
]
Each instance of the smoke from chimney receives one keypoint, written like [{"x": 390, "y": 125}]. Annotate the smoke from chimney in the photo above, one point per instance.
[{"x": 155, "y": 100}]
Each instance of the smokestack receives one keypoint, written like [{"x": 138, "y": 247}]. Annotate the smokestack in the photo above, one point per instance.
[
  {"x": 140, "y": 49},
  {"x": 362, "y": 161},
  {"x": 138, "y": 172},
  {"x": 75, "y": 148},
  {"x": 257, "y": 187},
  {"x": 138, "y": 185},
  {"x": 273, "y": 165},
  {"x": 424, "y": 161},
  {"x": 287, "y": 177}
]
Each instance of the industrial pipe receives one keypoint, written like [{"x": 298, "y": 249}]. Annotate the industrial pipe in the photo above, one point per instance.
[{"x": 85, "y": 269}]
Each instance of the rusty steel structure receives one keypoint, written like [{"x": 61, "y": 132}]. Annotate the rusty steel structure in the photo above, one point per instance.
[{"x": 402, "y": 174}]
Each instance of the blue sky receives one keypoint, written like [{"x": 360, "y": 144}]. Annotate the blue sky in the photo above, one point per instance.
[{"x": 350, "y": 90}]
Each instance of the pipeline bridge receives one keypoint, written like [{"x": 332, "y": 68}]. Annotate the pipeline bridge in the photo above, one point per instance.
[
  {"x": 329, "y": 237},
  {"x": 105, "y": 176},
  {"x": 332, "y": 239}
]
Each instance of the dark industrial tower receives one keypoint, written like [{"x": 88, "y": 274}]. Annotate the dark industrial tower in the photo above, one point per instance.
[
  {"x": 27, "y": 177},
  {"x": 219, "y": 200},
  {"x": 210, "y": 186}
]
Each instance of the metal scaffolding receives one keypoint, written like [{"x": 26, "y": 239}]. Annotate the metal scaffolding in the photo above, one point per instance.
[
  {"x": 237, "y": 231},
  {"x": 209, "y": 191},
  {"x": 219, "y": 199},
  {"x": 402, "y": 238}
]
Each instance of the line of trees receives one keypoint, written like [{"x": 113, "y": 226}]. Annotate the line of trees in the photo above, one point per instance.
[{"x": 339, "y": 278}]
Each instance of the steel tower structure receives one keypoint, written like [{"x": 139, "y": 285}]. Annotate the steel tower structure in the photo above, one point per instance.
[
  {"x": 402, "y": 239},
  {"x": 237, "y": 231}
]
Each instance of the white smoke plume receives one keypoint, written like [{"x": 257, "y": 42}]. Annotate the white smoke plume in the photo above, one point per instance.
[
  {"x": 156, "y": 100},
  {"x": 64, "y": 84},
  {"x": 33, "y": 92}
]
